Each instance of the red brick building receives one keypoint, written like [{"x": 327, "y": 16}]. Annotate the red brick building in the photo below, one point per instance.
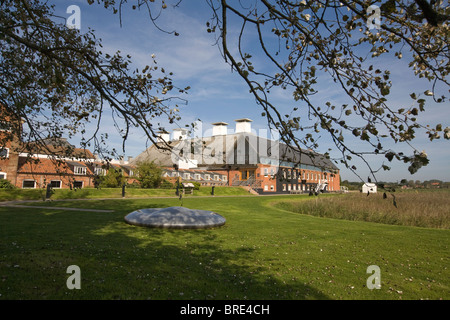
[
  {"x": 35, "y": 165},
  {"x": 9, "y": 145},
  {"x": 243, "y": 158}
]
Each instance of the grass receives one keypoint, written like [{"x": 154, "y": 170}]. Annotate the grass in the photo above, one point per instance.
[
  {"x": 427, "y": 208},
  {"x": 262, "y": 252},
  {"x": 92, "y": 193}
]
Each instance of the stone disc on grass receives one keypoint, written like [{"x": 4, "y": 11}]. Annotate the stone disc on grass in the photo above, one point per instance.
[{"x": 175, "y": 217}]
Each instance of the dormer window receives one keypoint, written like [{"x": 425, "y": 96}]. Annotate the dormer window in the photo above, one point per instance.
[
  {"x": 79, "y": 170},
  {"x": 99, "y": 171}
]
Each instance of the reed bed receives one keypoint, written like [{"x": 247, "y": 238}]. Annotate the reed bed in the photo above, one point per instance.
[{"x": 429, "y": 209}]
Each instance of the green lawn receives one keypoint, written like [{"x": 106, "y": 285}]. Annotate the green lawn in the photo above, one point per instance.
[
  {"x": 92, "y": 193},
  {"x": 262, "y": 252}
]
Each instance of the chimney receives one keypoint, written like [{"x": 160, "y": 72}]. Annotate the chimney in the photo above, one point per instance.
[
  {"x": 163, "y": 136},
  {"x": 243, "y": 125},
  {"x": 219, "y": 128},
  {"x": 179, "y": 134}
]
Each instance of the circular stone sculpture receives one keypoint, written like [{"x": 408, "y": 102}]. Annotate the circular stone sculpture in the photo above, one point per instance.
[{"x": 175, "y": 217}]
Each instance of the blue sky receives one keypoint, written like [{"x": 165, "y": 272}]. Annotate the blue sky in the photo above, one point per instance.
[{"x": 217, "y": 94}]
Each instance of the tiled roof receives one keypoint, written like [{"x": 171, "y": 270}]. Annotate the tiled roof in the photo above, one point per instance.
[
  {"x": 229, "y": 144},
  {"x": 57, "y": 150},
  {"x": 49, "y": 166}
]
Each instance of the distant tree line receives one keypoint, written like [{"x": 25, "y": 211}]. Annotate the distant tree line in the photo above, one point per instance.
[
  {"x": 404, "y": 183},
  {"x": 427, "y": 184}
]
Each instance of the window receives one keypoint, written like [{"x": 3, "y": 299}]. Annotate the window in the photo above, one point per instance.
[
  {"x": 197, "y": 176},
  {"x": 266, "y": 172},
  {"x": 4, "y": 153},
  {"x": 80, "y": 170},
  {"x": 187, "y": 176},
  {"x": 99, "y": 171},
  {"x": 2, "y": 175},
  {"x": 216, "y": 177},
  {"x": 78, "y": 184},
  {"x": 284, "y": 187},
  {"x": 28, "y": 184},
  {"x": 224, "y": 178},
  {"x": 56, "y": 184},
  {"x": 207, "y": 177},
  {"x": 266, "y": 187},
  {"x": 271, "y": 188}
]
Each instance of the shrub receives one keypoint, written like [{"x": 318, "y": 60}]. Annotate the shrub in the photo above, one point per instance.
[
  {"x": 113, "y": 179},
  {"x": 165, "y": 184},
  {"x": 149, "y": 175},
  {"x": 6, "y": 184}
]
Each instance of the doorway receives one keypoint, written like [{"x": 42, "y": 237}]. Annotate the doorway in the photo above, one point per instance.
[{"x": 246, "y": 174}]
